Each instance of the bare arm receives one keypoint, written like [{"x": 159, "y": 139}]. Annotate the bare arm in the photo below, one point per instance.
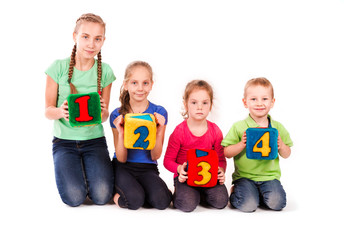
[
  {"x": 51, "y": 111},
  {"x": 105, "y": 99},
  {"x": 118, "y": 134},
  {"x": 283, "y": 149},
  {"x": 160, "y": 134},
  {"x": 233, "y": 150}
]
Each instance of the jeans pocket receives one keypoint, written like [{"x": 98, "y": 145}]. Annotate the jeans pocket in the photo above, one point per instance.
[{"x": 56, "y": 140}]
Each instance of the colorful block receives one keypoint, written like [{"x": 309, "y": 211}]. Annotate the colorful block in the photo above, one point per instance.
[
  {"x": 262, "y": 143},
  {"x": 202, "y": 167},
  {"x": 84, "y": 109},
  {"x": 140, "y": 131}
]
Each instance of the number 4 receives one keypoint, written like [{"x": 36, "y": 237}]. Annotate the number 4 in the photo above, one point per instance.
[{"x": 265, "y": 149}]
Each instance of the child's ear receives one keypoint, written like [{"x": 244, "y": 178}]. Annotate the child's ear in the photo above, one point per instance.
[
  {"x": 74, "y": 37},
  {"x": 272, "y": 102},
  {"x": 245, "y": 103}
]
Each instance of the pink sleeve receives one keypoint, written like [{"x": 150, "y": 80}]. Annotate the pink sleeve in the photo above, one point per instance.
[
  {"x": 220, "y": 149},
  {"x": 172, "y": 150}
]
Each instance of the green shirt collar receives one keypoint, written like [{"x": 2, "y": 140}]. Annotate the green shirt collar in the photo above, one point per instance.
[{"x": 251, "y": 122}]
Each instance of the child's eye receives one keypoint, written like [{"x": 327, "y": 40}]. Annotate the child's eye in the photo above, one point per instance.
[{"x": 193, "y": 102}]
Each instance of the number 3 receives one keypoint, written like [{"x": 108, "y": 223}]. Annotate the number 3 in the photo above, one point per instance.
[
  {"x": 265, "y": 149},
  {"x": 204, "y": 173}
]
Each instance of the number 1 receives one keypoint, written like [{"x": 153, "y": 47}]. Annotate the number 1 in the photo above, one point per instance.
[{"x": 83, "y": 109}]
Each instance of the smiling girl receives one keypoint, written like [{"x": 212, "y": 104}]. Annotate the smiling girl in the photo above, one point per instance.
[
  {"x": 196, "y": 132},
  {"x": 81, "y": 158},
  {"x": 137, "y": 180}
]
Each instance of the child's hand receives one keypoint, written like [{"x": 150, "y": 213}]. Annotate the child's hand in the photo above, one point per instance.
[
  {"x": 283, "y": 149},
  {"x": 221, "y": 175},
  {"x": 160, "y": 119},
  {"x": 103, "y": 105},
  {"x": 65, "y": 110},
  {"x": 119, "y": 124},
  {"x": 243, "y": 139},
  {"x": 182, "y": 173},
  {"x": 280, "y": 143}
]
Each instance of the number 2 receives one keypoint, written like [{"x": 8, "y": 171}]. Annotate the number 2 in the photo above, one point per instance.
[
  {"x": 144, "y": 133},
  {"x": 265, "y": 149}
]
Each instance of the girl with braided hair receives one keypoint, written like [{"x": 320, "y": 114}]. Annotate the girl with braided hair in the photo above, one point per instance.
[{"x": 81, "y": 159}]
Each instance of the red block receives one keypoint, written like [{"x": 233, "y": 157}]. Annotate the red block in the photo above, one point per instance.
[{"x": 202, "y": 167}]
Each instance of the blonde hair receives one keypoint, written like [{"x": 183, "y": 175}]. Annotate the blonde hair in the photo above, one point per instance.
[
  {"x": 124, "y": 94},
  {"x": 195, "y": 85},
  {"x": 88, "y": 17},
  {"x": 261, "y": 81}
]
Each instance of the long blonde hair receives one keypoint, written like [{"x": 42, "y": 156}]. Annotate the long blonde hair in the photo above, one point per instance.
[
  {"x": 124, "y": 94},
  {"x": 88, "y": 17}
]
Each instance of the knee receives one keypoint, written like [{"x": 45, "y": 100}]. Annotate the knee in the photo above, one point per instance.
[
  {"x": 101, "y": 193},
  {"x": 161, "y": 200},
  {"x": 73, "y": 196},
  {"x": 218, "y": 201},
  {"x": 186, "y": 203},
  {"x": 244, "y": 204},
  {"x": 275, "y": 200},
  {"x": 132, "y": 200}
]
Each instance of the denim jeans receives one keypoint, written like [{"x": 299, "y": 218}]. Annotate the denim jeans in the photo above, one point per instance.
[
  {"x": 187, "y": 198},
  {"x": 248, "y": 195},
  {"x": 83, "y": 169}
]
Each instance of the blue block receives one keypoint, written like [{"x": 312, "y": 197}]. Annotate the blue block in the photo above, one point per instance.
[{"x": 261, "y": 143}]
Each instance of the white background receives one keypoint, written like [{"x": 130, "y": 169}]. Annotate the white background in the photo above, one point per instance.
[{"x": 309, "y": 50}]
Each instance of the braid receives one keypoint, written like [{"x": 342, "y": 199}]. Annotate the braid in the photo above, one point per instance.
[
  {"x": 99, "y": 73},
  {"x": 71, "y": 71}
]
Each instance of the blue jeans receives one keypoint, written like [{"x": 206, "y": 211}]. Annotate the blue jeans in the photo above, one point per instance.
[
  {"x": 187, "y": 198},
  {"x": 83, "y": 168},
  {"x": 248, "y": 195}
]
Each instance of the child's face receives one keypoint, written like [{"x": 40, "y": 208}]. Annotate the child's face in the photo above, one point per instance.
[
  {"x": 139, "y": 85},
  {"x": 259, "y": 101},
  {"x": 89, "y": 39},
  {"x": 198, "y": 105}
]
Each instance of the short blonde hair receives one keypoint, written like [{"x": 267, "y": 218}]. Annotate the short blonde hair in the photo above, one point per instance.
[{"x": 261, "y": 81}]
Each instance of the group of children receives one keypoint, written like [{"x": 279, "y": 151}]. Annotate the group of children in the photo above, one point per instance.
[{"x": 82, "y": 164}]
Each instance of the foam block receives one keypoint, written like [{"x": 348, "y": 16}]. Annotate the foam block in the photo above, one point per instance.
[
  {"x": 261, "y": 143},
  {"x": 140, "y": 131},
  {"x": 84, "y": 109},
  {"x": 202, "y": 167}
]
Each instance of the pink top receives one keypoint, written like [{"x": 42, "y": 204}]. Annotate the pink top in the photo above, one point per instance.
[{"x": 181, "y": 140}]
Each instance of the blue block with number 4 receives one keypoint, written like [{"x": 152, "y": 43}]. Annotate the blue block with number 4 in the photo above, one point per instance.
[
  {"x": 262, "y": 143},
  {"x": 139, "y": 131}
]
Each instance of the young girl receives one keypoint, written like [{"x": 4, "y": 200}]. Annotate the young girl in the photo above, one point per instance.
[
  {"x": 81, "y": 159},
  {"x": 196, "y": 132},
  {"x": 137, "y": 179}
]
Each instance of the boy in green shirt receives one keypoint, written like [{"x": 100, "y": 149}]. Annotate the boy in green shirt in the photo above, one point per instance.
[{"x": 256, "y": 181}]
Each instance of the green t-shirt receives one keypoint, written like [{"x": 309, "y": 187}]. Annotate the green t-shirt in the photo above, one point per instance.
[
  {"x": 256, "y": 170},
  {"x": 85, "y": 82}
]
